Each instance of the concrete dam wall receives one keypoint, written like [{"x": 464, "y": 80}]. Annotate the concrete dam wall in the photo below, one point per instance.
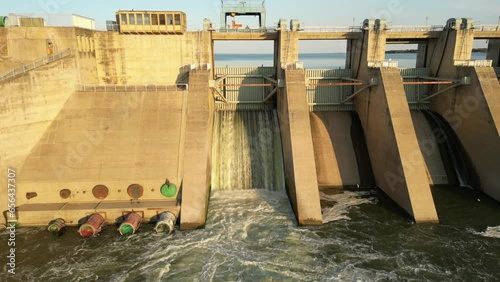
[{"x": 104, "y": 120}]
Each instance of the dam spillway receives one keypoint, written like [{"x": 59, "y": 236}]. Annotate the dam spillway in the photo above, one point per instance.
[
  {"x": 152, "y": 122},
  {"x": 247, "y": 151}
]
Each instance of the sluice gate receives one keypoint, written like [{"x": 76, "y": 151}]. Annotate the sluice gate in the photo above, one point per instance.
[{"x": 244, "y": 88}]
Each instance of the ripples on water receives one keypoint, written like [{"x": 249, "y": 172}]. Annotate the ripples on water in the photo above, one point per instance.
[{"x": 252, "y": 235}]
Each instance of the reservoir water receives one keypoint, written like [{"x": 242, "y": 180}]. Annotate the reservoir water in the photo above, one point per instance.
[
  {"x": 315, "y": 60},
  {"x": 252, "y": 235}
]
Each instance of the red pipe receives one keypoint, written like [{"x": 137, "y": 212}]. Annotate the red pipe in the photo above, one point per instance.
[
  {"x": 427, "y": 82},
  {"x": 337, "y": 84},
  {"x": 245, "y": 85},
  {"x": 131, "y": 224},
  {"x": 92, "y": 226}
]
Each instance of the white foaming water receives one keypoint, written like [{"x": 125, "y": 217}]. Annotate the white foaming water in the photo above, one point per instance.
[
  {"x": 246, "y": 151},
  {"x": 492, "y": 232},
  {"x": 252, "y": 235},
  {"x": 344, "y": 201}
]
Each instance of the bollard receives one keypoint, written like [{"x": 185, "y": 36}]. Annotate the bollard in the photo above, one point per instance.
[
  {"x": 166, "y": 223},
  {"x": 56, "y": 226},
  {"x": 131, "y": 224},
  {"x": 92, "y": 226}
]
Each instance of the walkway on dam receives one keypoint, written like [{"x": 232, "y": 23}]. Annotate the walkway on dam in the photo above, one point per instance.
[{"x": 394, "y": 33}]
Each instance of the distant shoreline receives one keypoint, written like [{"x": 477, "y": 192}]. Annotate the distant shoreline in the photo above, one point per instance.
[
  {"x": 407, "y": 51},
  {"x": 410, "y": 51}
]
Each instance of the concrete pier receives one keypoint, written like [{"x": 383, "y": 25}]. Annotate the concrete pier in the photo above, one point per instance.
[
  {"x": 300, "y": 167},
  {"x": 198, "y": 151},
  {"x": 397, "y": 162},
  {"x": 293, "y": 114},
  {"x": 472, "y": 110}
]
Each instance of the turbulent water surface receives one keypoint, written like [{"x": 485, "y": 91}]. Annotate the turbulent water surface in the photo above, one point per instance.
[{"x": 251, "y": 235}]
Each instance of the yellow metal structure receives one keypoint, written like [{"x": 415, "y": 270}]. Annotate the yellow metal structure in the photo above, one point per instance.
[{"x": 168, "y": 22}]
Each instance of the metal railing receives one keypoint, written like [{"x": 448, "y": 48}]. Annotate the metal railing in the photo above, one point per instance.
[
  {"x": 247, "y": 30},
  {"x": 405, "y": 28},
  {"x": 331, "y": 29},
  {"x": 36, "y": 64},
  {"x": 397, "y": 28},
  {"x": 196, "y": 66},
  {"x": 487, "y": 27},
  {"x": 472, "y": 63},
  {"x": 292, "y": 66},
  {"x": 384, "y": 64},
  {"x": 414, "y": 28},
  {"x": 130, "y": 88}
]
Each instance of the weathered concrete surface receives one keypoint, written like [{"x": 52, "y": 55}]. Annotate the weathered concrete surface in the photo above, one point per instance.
[
  {"x": 114, "y": 139},
  {"x": 26, "y": 44},
  {"x": 288, "y": 47},
  {"x": 110, "y": 57},
  {"x": 397, "y": 162},
  {"x": 474, "y": 113},
  {"x": 30, "y": 43},
  {"x": 7, "y": 64},
  {"x": 28, "y": 105},
  {"x": 300, "y": 167},
  {"x": 452, "y": 45},
  {"x": 148, "y": 59},
  {"x": 368, "y": 48},
  {"x": 197, "y": 151},
  {"x": 429, "y": 146},
  {"x": 334, "y": 154},
  {"x": 398, "y": 165}
]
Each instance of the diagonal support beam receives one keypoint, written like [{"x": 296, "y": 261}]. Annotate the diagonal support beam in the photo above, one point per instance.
[
  {"x": 270, "y": 94},
  {"x": 218, "y": 80},
  {"x": 439, "y": 92},
  {"x": 354, "y": 94},
  {"x": 219, "y": 94},
  {"x": 270, "y": 79}
]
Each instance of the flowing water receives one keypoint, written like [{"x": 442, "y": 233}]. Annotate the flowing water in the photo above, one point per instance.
[
  {"x": 451, "y": 149},
  {"x": 246, "y": 151},
  {"x": 252, "y": 234}
]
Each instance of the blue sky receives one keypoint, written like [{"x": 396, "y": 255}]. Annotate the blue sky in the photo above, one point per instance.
[{"x": 310, "y": 13}]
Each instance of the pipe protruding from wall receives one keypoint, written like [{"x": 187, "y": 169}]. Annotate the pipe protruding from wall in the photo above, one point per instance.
[
  {"x": 57, "y": 226},
  {"x": 166, "y": 223},
  {"x": 92, "y": 226},
  {"x": 131, "y": 224}
]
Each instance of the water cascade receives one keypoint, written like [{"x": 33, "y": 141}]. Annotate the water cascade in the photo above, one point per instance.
[
  {"x": 451, "y": 149},
  {"x": 246, "y": 151}
]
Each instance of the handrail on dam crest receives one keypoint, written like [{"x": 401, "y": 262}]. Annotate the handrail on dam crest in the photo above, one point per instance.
[
  {"x": 36, "y": 64},
  {"x": 131, "y": 88}
]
